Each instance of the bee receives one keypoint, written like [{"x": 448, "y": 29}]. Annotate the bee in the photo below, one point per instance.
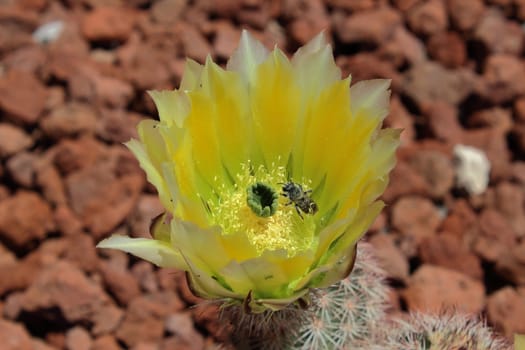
[{"x": 299, "y": 198}]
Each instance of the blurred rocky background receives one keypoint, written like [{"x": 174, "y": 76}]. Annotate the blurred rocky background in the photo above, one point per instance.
[{"x": 73, "y": 82}]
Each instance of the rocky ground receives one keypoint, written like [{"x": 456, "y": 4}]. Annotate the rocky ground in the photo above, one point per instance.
[{"x": 66, "y": 181}]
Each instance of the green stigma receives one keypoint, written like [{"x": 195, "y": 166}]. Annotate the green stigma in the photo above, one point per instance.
[{"x": 262, "y": 199}]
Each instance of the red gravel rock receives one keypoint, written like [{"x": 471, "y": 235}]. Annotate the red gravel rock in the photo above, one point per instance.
[
  {"x": 505, "y": 309},
  {"x": 25, "y": 217},
  {"x": 148, "y": 207},
  {"x": 374, "y": 26},
  {"x": 66, "y": 291},
  {"x": 447, "y": 85},
  {"x": 400, "y": 118},
  {"x": 496, "y": 236},
  {"x": 449, "y": 251},
  {"x": 497, "y": 118},
  {"x": 14, "y": 336},
  {"x": 105, "y": 342},
  {"x": 465, "y": 13},
  {"x": 22, "y": 168},
  {"x": 498, "y": 34},
  {"x": 69, "y": 156},
  {"x": 193, "y": 42},
  {"x": 309, "y": 21},
  {"x": 404, "y": 180},
  {"x": 511, "y": 265},
  {"x": 448, "y": 48},
  {"x": 460, "y": 218},
  {"x": 509, "y": 200},
  {"x": 391, "y": 259},
  {"x": 415, "y": 218},
  {"x": 168, "y": 11},
  {"x": 144, "y": 320},
  {"x": 428, "y": 17},
  {"x": 119, "y": 282},
  {"x": 181, "y": 325},
  {"x": 403, "y": 48},
  {"x": 78, "y": 338},
  {"x": 12, "y": 140},
  {"x": 436, "y": 168},
  {"x": 443, "y": 122},
  {"x": 67, "y": 222},
  {"x": 364, "y": 66},
  {"x": 494, "y": 144},
  {"x": 69, "y": 120},
  {"x": 433, "y": 289},
  {"x": 22, "y": 97},
  {"x": 145, "y": 274},
  {"x": 504, "y": 76},
  {"x": 108, "y": 24}
]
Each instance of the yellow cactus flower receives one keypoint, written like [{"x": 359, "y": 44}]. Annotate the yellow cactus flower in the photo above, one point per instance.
[
  {"x": 519, "y": 341},
  {"x": 269, "y": 171}
]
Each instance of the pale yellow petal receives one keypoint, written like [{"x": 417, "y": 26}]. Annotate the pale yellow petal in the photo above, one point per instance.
[
  {"x": 158, "y": 252},
  {"x": 247, "y": 57},
  {"x": 519, "y": 341},
  {"x": 173, "y": 106},
  {"x": 275, "y": 104},
  {"x": 191, "y": 76}
]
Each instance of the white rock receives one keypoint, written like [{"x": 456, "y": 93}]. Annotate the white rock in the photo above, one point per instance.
[
  {"x": 48, "y": 32},
  {"x": 472, "y": 169}
]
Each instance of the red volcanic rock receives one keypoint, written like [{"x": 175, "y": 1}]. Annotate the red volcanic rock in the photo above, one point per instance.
[
  {"x": 22, "y": 168},
  {"x": 428, "y": 17},
  {"x": 66, "y": 291},
  {"x": 509, "y": 200},
  {"x": 448, "y": 48},
  {"x": 436, "y": 168},
  {"x": 497, "y": 118},
  {"x": 494, "y": 144},
  {"x": 183, "y": 331},
  {"x": 69, "y": 120},
  {"x": 67, "y": 222},
  {"x": 433, "y": 288},
  {"x": 390, "y": 258},
  {"x": 498, "y": 34},
  {"x": 404, "y": 47},
  {"x": 518, "y": 138},
  {"x": 504, "y": 77},
  {"x": 226, "y": 39},
  {"x": 14, "y": 336},
  {"x": 12, "y": 140},
  {"x": 495, "y": 236},
  {"x": 25, "y": 217},
  {"x": 449, "y": 251},
  {"x": 50, "y": 182},
  {"x": 144, "y": 319},
  {"x": 511, "y": 265},
  {"x": 374, "y": 26},
  {"x": 461, "y": 217},
  {"x": 465, "y": 13},
  {"x": 308, "y": 20},
  {"x": 505, "y": 310},
  {"x": 451, "y": 86},
  {"x": 77, "y": 338},
  {"x": 120, "y": 283},
  {"x": 415, "y": 218},
  {"x": 22, "y": 272},
  {"x": 22, "y": 97},
  {"x": 193, "y": 43},
  {"x": 399, "y": 118},
  {"x": 168, "y": 11},
  {"x": 105, "y": 342},
  {"x": 364, "y": 66},
  {"x": 404, "y": 180},
  {"x": 443, "y": 122},
  {"x": 148, "y": 207},
  {"x": 109, "y": 23}
]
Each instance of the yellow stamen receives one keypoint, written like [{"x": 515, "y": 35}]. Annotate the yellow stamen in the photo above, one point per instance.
[{"x": 285, "y": 229}]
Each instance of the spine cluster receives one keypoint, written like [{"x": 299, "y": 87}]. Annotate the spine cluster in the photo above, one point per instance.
[{"x": 351, "y": 315}]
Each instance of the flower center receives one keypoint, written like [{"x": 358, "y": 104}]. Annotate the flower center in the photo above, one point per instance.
[
  {"x": 262, "y": 199},
  {"x": 254, "y": 206}
]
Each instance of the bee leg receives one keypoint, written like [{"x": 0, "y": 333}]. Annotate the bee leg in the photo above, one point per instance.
[{"x": 299, "y": 212}]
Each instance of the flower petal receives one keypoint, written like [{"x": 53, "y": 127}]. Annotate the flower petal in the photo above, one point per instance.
[
  {"x": 191, "y": 76},
  {"x": 158, "y": 252},
  {"x": 173, "y": 106},
  {"x": 247, "y": 57},
  {"x": 275, "y": 115}
]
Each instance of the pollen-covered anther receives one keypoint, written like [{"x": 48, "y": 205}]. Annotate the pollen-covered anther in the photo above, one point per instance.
[{"x": 262, "y": 199}]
